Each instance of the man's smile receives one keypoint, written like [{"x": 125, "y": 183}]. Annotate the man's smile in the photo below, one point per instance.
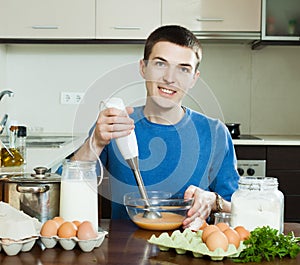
[{"x": 167, "y": 90}]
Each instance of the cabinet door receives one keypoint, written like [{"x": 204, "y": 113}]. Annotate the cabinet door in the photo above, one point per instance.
[
  {"x": 283, "y": 162},
  {"x": 127, "y": 19},
  {"x": 47, "y": 19},
  {"x": 213, "y": 15},
  {"x": 280, "y": 20}
]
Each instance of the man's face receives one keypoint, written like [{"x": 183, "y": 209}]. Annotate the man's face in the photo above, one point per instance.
[{"x": 169, "y": 73}]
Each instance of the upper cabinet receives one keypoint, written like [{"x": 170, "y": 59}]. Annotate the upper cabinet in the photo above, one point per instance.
[
  {"x": 281, "y": 20},
  {"x": 127, "y": 19},
  {"x": 47, "y": 19},
  {"x": 213, "y": 15}
]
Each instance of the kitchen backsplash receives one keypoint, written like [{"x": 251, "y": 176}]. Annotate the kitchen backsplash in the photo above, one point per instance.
[{"x": 259, "y": 89}]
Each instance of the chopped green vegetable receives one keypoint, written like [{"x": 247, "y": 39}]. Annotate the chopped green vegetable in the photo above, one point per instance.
[{"x": 266, "y": 243}]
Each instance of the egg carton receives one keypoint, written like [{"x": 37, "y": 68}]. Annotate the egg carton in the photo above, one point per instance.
[
  {"x": 16, "y": 225},
  {"x": 189, "y": 241},
  {"x": 70, "y": 243},
  {"x": 12, "y": 247}
]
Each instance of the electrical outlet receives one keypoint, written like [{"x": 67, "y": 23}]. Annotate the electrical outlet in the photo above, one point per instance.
[{"x": 71, "y": 97}]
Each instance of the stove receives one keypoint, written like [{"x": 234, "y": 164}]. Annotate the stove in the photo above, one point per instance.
[
  {"x": 247, "y": 137},
  {"x": 255, "y": 168}
]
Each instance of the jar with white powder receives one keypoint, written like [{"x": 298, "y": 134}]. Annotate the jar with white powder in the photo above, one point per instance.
[{"x": 257, "y": 203}]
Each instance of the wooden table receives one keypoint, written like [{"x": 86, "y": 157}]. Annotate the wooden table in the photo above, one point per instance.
[{"x": 125, "y": 244}]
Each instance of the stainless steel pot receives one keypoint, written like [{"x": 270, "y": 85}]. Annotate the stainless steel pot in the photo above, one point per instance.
[{"x": 35, "y": 194}]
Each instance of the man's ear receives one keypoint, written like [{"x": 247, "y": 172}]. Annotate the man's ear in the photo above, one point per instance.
[
  {"x": 142, "y": 68},
  {"x": 195, "y": 78}
]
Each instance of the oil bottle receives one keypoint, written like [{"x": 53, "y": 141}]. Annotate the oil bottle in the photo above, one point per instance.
[{"x": 11, "y": 157}]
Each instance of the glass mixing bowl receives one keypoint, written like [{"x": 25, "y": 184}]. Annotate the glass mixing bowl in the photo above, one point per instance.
[{"x": 172, "y": 210}]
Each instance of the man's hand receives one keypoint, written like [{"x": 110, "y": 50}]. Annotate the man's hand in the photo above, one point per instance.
[
  {"x": 204, "y": 202},
  {"x": 112, "y": 123}
]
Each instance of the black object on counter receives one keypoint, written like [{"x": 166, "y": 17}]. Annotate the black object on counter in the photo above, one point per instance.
[{"x": 234, "y": 129}]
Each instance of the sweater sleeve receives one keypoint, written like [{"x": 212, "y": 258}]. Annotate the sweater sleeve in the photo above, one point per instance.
[{"x": 224, "y": 172}]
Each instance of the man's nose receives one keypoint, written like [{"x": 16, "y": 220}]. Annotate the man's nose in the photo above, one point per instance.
[{"x": 169, "y": 75}]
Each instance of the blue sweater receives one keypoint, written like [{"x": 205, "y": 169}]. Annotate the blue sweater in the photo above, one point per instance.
[{"x": 196, "y": 151}]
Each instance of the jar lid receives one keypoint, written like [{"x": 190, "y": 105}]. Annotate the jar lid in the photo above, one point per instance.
[
  {"x": 258, "y": 183},
  {"x": 76, "y": 164},
  {"x": 22, "y": 132}
]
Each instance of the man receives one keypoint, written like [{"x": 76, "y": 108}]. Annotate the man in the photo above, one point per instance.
[{"x": 180, "y": 150}]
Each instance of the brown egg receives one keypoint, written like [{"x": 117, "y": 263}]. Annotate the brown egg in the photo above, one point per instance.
[
  {"x": 243, "y": 232},
  {"x": 233, "y": 237},
  {"x": 67, "y": 230},
  {"x": 222, "y": 226},
  {"x": 208, "y": 230},
  {"x": 59, "y": 220},
  {"x": 217, "y": 239},
  {"x": 204, "y": 224},
  {"x": 86, "y": 231},
  {"x": 49, "y": 228},
  {"x": 77, "y": 223}
]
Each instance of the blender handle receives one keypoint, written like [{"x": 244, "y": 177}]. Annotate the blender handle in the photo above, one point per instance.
[{"x": 32, "y": 189}]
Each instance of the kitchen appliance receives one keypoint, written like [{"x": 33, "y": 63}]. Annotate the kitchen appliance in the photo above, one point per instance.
[
  {"x": 36, "y": 194},
  {"x": 129, "y": 150},
  {"x": 234, "y": 130},
  {"x": 248, "y": 137},
  {"x": 251, "y": 168}
]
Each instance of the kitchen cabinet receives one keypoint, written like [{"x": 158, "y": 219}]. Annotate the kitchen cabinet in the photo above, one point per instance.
[
  {"x": 213, "y": 15},
  {"x": 250, "y": 152},
  {"x": 283, "y": 163},
  {"x": 280, "y": 20},
  {"x": 128, "y": 19},
  {"x": 67, "y": 19}
]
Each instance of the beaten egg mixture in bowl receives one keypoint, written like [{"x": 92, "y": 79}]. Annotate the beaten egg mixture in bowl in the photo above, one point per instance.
[{"x": 170, "y": 211}]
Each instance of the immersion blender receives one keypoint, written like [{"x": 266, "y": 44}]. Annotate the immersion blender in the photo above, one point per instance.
[{"x": 129, "y": 150}]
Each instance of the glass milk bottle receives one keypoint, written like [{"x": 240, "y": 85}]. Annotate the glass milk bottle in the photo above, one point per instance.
[
  {"x": 78, "y": 192},
  {"x": 257, "y": 203}
]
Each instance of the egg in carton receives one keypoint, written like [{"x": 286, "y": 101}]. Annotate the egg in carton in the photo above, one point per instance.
[
  {"x": 69, "y": 243},
  {"x": 18, "y": 231},
  {"x": 189, "y": 241}
]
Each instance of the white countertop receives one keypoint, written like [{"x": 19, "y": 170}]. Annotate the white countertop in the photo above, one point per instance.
[
  {"x": 53, "y": 157},
  {"x": 271, "y": 140}
]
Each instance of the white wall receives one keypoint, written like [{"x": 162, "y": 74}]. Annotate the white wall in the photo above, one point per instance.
[
  {"x": 260, "y": 89},
  {"x": 3, "y": 104}
]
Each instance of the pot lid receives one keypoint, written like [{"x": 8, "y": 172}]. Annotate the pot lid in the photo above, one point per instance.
[{"x": 41, "y": 175}]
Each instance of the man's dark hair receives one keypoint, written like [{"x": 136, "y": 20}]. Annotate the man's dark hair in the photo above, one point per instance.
[{"x": 174, "y": 34}]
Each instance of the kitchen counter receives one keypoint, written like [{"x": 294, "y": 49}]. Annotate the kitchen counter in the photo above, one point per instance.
[
  {"x": 46, "y": 157},
  {"x": 270, "y": 140},
  {"x": 52, "y": 157},
  {"x": 125, "y": 244}
]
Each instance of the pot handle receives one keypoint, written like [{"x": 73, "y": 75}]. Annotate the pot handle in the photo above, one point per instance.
[{"x": 32, "y": 189}]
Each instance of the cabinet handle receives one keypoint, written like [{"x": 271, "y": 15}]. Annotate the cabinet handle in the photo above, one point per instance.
[
  {"x": 127, "y": 28},
  {"x": 44, "y": 27},
  {"x": 210, "y": 19}
]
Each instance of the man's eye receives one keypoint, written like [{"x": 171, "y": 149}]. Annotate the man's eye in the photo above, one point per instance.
[
  {"x": 160, "y": 64},
  {"x": 185, "y": 69}
]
